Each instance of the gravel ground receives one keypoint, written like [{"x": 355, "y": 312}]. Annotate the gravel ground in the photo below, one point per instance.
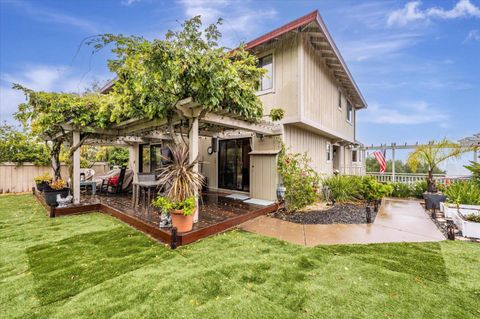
[{"x": 337, "y": 214}]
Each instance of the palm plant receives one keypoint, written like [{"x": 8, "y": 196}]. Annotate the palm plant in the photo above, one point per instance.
[
  {"x": 180, "y": 175},
  {"x": 432, "y": 155}
]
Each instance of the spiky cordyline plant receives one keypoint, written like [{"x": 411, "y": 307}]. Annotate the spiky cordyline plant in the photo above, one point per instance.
[
  {"x": 433, "y": 154},
  {"x": 179, "y": 174}
]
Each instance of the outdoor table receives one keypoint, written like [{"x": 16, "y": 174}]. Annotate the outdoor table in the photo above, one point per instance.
[
  {"x": 93, "y": 184},
  {"x": 137, "y": 187}
]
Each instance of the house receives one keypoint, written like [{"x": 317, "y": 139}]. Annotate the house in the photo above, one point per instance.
[{"x": 306, "y": 77}]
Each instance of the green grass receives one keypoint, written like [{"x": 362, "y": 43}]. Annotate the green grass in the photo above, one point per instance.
[{"x": 93, "y": 266}]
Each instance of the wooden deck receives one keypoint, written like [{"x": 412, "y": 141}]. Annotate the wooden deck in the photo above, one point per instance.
[{"x": 217, "y": 214}]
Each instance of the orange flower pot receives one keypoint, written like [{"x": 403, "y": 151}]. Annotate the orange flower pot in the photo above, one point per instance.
[{"x": 182, "y": 222}]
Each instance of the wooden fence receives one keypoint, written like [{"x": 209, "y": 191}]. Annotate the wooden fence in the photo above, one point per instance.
[{"x": 16, "y": 178}]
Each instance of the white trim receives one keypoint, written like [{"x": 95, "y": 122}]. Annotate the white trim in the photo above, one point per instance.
[
  {"x": 329, "y": 152},
  {"x": 340, "y": 107},
  {"x": 261, "y": 56}
]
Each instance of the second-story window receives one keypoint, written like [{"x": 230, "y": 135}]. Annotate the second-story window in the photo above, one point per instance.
[
  {"x": 355, "y": 158},
  {"x": 339, "y": 100},
  {"x": 266, "y": 82},
  {"x": 349, "y": 112}
]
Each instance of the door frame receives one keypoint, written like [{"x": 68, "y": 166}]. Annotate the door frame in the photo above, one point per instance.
[{"x": 221, "y": 187}]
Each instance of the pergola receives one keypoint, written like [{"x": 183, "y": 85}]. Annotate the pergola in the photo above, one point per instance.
[{"x": 136, "y": 131}]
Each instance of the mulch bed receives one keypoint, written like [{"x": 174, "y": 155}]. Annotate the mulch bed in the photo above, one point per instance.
[{"x": 347, "y": 213}]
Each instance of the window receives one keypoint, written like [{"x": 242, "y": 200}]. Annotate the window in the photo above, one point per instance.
[
  {"x": 355, "y": 158},
  {"x": 339, "y": 100},
  {"x": 329, "y": 152},
  {"x": 349, "y": 112},
  {"x": 266, "y": 82}
]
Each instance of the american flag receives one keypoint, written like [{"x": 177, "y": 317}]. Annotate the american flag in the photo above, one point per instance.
[{"x": 380, "y": 157}]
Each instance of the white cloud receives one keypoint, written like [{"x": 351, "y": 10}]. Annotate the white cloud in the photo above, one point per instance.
[
  {"x": 44, "y": 14},
  {"x": 40, "y": 78},
  {"x": 239, "y": 20},
  {"x": 473, "y": 35},
  {"x": 129, "y": 2},
  {"x": 409, "y": 13},
  {"x": 410, "y": 113},
  {"x": 377, "y": 46},
  {"x": 412, "y": 13}
]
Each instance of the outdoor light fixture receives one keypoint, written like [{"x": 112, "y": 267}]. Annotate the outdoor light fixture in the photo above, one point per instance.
[
  {"x": 369, "y": 215},
  {"x": 450, "y": 230},
  {"x": 281, "y": 192}
]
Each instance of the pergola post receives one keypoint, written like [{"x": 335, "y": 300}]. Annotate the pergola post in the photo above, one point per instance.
[
  {"x": 76, "y": 169},
  {"x": 393, "y": 162},
  {"x": 193, "y": 154},
  {"x": 133, "y": 160}
]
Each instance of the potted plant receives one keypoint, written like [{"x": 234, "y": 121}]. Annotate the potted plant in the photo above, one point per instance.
[
  {"x": 42, "y": 181},
  {"x": 58, "y": 187},
  {"x": 183, "y": 184},
  {"x": 463, "y": 206}
]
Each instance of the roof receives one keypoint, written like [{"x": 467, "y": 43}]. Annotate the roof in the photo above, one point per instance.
[{"x": 338, "y": 64}]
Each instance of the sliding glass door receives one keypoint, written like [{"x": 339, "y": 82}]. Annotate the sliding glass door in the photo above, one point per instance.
[{"x": 234, "y": 164}]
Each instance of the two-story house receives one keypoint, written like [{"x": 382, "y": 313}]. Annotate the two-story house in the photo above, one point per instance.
[{"x": 308, "y": 78}]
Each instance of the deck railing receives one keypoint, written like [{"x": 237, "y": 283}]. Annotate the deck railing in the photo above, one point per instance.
[{"x": 410, "y": 178}]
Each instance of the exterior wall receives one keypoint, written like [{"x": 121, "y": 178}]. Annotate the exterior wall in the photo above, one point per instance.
[
  {"x": 320, "y": 90},
  {"x": 19, "y": 178},
  {"x": 208, "y": 163},
  {"x": 285, "y": 77},
  {"x": 263, "y": 176},
  {"x": 353, "y": 168},
  {"x": 298, "y": 140}
]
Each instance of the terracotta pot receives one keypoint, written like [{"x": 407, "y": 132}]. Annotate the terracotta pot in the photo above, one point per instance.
[{"x": 182, "y": 222}]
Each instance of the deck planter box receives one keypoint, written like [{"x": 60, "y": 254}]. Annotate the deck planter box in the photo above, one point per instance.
[
  {"x": 468, "y": 229},
  {"x": 51, "y": 195},
  {"x": 449, "y": 209}
]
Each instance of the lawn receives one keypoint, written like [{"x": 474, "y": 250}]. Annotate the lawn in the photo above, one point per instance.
[{"x": 97, "y": 267}]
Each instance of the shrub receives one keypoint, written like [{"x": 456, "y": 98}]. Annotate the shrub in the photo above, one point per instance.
[
  {"x": 402, "y": 190},
  {"x": 463, "y": 192},
  {"x": 473, "y": 218},
  {"x": 474, "y": 167},
  {"x": 166, "y": 205},
  {"x": 373, "y": 190},
  {"x": 418, "y": 188},
  {"x": 300, "y": 180},
  {"x": 344, "y": 188},
  {"x": 46, "y": 177}
]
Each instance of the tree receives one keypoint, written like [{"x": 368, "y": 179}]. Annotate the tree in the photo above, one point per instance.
[
  {"x": 432, "y": 154},
  {"x": 46, "y": 112},
  {"x": 400, "y": 167},
  {"x": 19, "y": 147},
  {"x": 153, "y": 76}
]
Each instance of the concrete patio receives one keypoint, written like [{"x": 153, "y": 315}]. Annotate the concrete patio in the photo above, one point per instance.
[{"x": 397, "y": 221}]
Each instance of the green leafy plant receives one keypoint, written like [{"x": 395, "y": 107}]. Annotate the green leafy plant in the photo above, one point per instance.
[
  {"x": 166, "y": 205},
  {"x": 401, "y": 190},
  {"x": 344, "y": 188},
  {"x": 474, "y": 167},
  {"x": 473, "y": 218},
  {"x": 180, "y": 178},
  {"x": 432, "y": 154},
  {"x": 43, "y": 178},
  {"x": 463, "y": 192},
  {"x": 277, "y": 114},
  {"x": 22, "y": 146},
  {"x": 300, "y": 180},
  {"x": 372, "y": 190}
]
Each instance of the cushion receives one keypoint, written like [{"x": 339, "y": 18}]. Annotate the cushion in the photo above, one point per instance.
[{"x": 113, "y": 180}]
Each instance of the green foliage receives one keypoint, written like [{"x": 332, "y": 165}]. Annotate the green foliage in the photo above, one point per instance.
[
  {"x": 344, "y": 188},
  {"x": 473, "y": 218},
  {"x": 117, "y": 156},
  {"x": 372, "y": 190},
  {"x": 463, "y": 192},
  {"x": 277, "y": 114},
  {"x": 58, "y": 184},
  {"x": 155, "y": 75},
  {"x": 166, "y": 205},
  {"x": 20, "y": 147},
  {"x": 418, "y": 188},
  {"x": 43, "y": 178},
  {"x": 402, "y": 190},
  {"x": 474, "y": 167},
  {"x": 400, "y": 167},
  {"x": 300, "y": 180}
]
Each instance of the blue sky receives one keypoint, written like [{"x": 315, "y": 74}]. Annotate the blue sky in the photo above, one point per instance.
[{"x": 417, "y": 63}]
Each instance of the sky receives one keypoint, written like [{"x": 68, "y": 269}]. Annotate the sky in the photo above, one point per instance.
[{"x": 417, "y": 63}]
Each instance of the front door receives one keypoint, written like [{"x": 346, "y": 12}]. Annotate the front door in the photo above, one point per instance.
[{"x": 234, "y": 164}]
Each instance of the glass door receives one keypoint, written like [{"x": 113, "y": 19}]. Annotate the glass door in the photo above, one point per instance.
[{"x": 234, "y": 164}]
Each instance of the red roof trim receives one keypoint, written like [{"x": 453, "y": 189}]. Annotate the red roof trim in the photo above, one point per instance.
[{"x": 283, "y": 29}]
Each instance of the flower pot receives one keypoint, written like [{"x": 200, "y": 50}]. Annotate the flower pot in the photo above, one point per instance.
[
  {"x": 41, "y": 186},
  {"x": 51, "y": 195},
  {"x": 181, "y": 222}
]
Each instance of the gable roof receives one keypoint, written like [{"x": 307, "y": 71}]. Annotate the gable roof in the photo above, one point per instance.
[{"x": 323, "y": 43}]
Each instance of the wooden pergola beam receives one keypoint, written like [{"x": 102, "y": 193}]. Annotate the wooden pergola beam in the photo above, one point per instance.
[{"x": 228, "y": 122}]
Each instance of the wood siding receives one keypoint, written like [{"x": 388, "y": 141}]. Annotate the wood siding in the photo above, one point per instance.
[
  {"x": 320, "y": 95},
  {"x": 298, "y": 140},
  {"x": 263, "y": 176},
  {"x": 285, "y": 75}
]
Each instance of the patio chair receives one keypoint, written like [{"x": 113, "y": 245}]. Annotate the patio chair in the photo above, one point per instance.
[{"x": 114, "y": 184}]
